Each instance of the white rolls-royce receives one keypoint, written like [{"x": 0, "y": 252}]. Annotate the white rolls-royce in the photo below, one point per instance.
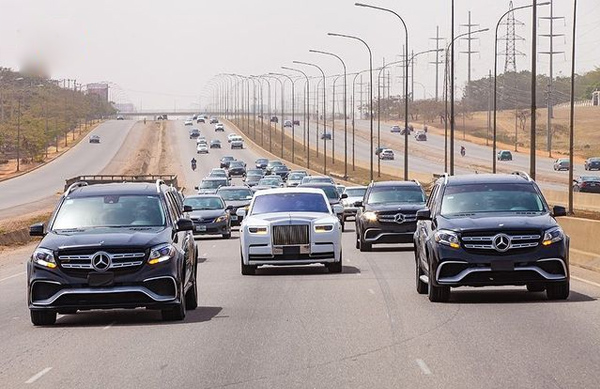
[{"x": 290, "y": 226}]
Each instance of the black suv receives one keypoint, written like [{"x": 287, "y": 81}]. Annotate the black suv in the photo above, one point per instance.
[
  {"x": 114, "y": 245},
  {"x": 484, "y": 230},
  {"x": 388, "y": 213}
]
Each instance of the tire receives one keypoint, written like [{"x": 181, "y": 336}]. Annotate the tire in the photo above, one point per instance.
[
  {"x": 438, "y": 294},
  {"x": 43, "y": 318},
  {"x": 227, "y": 236},
  {"x": 364, "y": 246},
  {"x": 247, "y": 270},
  {"x": 535, "y": 288},
  {"x": 422, "y": 287},
  {"x": 558, "y": 291},
  {"x": 357, "y": 242},
  {"x": 191, "y": 297},
  {"x": 335, "y": 267},
  {"x": 177, "y": 313}
]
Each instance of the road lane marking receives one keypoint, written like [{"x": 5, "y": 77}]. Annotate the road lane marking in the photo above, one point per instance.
[
  {"x": 13, "y": 276},
  {"x": 578, "y": 279},
  {"x": 424, "y": 367},
  {"x": 371, "y": 291},
  {"x": 108, "y": 326},
  {"x": 38, "y": 376}
]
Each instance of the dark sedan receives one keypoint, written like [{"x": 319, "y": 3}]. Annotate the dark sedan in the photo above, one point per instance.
[
  {"x": 226, "y": 160},
  {"x": 592, "y": 164},
  {"x": 236, "y": 197},
  {"x": 589, "y": 184},
  {"x": 281, "y": 170},
  {"x": 209, "y": 215},
  {"x": 236, "y": 168},
  {"x": 261, "y": 163},
  {"x": 215, "y": 144}
]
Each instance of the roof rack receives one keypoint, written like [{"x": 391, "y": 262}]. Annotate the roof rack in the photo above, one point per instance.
[
  {"x": 159, "y": 182},
  {"x": 168, "y": 179},
  {"x": 522, "y": 174},
  {"x": 74, "y": 186},
  {"x": 416, "y": 181}
]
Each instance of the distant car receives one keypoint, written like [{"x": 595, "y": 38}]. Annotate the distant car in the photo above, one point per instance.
[
  {"x": 261, "y": 163},
  {"x": 209, "y": 215},
  {"x": 274, "y": 119},
  {"x": 378, "y": 150},
  {"x": 201, "y": 140},
  {"x": 231, "y": 136},
  {"x": 237, "y": 142},
  {"x": 215, "y": 144},
  {"x": 210, "y": 185},
  {"x": 214, "y": 120},
  {"x": 236, "y": 168},
  {"x": 396, "y": 129},
  {"x": 270, "y": 165},
  {"x": 504, "y": 155},
  {"x": 296, "y": 122},
  {"x": 219, "y": 127},
  {"x": 120, "y": 117},
  {"x": 226, "y": 160},
  {"x": 194, "y": 133},
  {"x": 218, "y": 172},
  {"x": 318, "y": 179},
  {"x": 281, "y": 170},
  {"x": 561, "y": 164},
  {"x": 94, "y": 139},
  {"x": 202, "y": 148},
  {"x": 287, "y": 123},
  {"x": 326, "y": 136},
  {"x": 200, "y": 120},
  {"x": 590, "y": 184},
  {"x": 386, "y": 154},
  {"x": 421, "y": 136},
  {"x": 188, "y": 122},
  {"x": 354, "y": 194},
  {"x": 294, "y": 179},
  {"x": 403, "y": 131},
  {"x": 273, "y": 181},
  {"x": 253, "y": 176},
  {"x": 592, "y": 163}
]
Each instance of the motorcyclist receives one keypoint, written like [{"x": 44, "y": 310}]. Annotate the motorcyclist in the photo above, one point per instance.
[
  {"x": 193, "y": 163},
  {"x": 463, "y": 151}
]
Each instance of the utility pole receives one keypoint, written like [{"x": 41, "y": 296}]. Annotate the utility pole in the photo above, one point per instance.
[
  {"x": 551, "y": 53},
  {"x": 489, "y": 115},
  {"x": 532, "y": 150},
  {"x": 469, "y": 38},
  {"x": 437, "y": 62}
]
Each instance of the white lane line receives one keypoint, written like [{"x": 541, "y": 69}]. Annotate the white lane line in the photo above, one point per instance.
[
  {"x": 108, "y": 326},
  {"x": 38, "y": 376},
  {"x": 13, "y": 276},
  {"x": 371, "y": 291},
  {"x": 424, "y": 367},
  {"x": 578, "y": 279}
]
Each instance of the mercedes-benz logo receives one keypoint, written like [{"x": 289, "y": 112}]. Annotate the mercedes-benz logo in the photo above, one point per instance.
[
  {"x": 399, "y": 218},
  {"x": 501, "y": 242},
  {"x": 101, "y": 261}
]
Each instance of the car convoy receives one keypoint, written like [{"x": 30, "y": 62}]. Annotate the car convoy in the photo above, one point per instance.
[{"x": 129, "y": 241}]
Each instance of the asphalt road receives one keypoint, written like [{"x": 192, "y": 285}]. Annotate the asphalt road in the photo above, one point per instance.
[
  {"x": 304, "y": 328},
  {"x": 41, "y": 185}
]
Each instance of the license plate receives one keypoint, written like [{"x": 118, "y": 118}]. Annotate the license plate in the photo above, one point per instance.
[
  {"x": 501, "y": 265},
  {"x": 101, "y": 279},
  {"x": 200, "y": 228},
  {"x": 234, "y": 217}
]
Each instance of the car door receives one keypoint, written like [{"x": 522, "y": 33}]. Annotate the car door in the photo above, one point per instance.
[
  {"x": 425, "y": 228},
  {"x": 181, "y": 239}
]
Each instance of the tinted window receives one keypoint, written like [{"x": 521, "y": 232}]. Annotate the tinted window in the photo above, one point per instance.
[
  {"x": 204, "y": 203},
  {"x": 110, "y": 211},
  {"x": 396, "y": 194},
  {"x": 235, "y": 194},
  {"x": 290, "y": 202},
  {"x": 330, "y": 191},
  {"x": 491, "y": 198},
  {"x": 355, "y": 192},
  {"x": 212, "y": 184}
]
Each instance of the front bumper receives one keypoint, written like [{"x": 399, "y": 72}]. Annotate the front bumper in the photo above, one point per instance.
[
  {"x": 211, "y": 228},
  {"x": 322, "y": 252},
  {"x": 377, "y": 232}
]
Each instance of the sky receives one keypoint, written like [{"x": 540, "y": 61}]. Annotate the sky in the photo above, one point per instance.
[{"x": 159, "y": 54}]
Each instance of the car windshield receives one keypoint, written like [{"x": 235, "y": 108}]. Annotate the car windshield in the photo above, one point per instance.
[
  {"x": 280, "y": 167},
  {"x": 110, "y": 211},
  {"x": 591, "y": 178},
  {"x": 204, "y": 203},
  {"x": 330, "y": 191},
  {"x": 254, "y": 172},
  {"x": 227, "y": 159},
  {"x": 275, "y": 163},
  {"x": 236, "y": 164},
  {"x": 235, "y": 194},
  {"x": 461, "y": 199},
  {"x": 212, "y": 184},
  {"x": 269, "y": 181},
  {"x": 295, "y": 176},
  {"x": 219, "y": 173},
  {"x": 355, "y": 192},
  {"x": 396, "y": 194},
  {"x": 289, "y": 202},
  {"x": 319, "y": 179},
  {"x": 261, "y": 161}
]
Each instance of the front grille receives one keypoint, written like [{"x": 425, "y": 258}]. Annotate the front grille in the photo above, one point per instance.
[
  {"x": 397, "y": 218},
  {"x": 290, "y": 235},
  {"x": 203, "y": 221},
  {"x": 491, "y": 241},
  {"x": 119, "y": 259}
]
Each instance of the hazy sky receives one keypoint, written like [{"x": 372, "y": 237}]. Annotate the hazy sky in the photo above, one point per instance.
[{"x": 162, "y": 53}]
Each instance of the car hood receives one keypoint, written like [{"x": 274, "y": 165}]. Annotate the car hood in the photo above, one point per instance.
[
  {"x": 291, "y": 217},
  {"x": 497, "y": 222},
  {"x": 404, "y": 207},
  {"x": 207, "y": 214},
  {"x": 237, "y": 203},
  {"x": 207, "y": 191},
  {"x": 104, "y": 237}
]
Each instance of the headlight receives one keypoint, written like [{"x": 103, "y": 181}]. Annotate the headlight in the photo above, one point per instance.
[
  {"x": 448, "y": 238},
  {"x": 553, "y": 235},
  {"x": 161, "y": 253},
  {"x": 323, "y": 227},
  {"x": 222, "y": 218},
  {"x": 370, "y": 216},
  {"x": 258, "y": 230},
  {"x": 44, "y": 257}
]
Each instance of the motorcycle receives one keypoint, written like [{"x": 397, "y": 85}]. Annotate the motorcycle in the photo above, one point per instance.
[{"x": 193, "y": 165}]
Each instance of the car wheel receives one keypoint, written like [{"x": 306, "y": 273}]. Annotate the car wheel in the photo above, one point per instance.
[
  {"x": 364, "y": 246},
  {"x": 357, "y": 243},
  {"x": 176, "y": 313},
  {"x": 536, "y": 287},
  {"x": 558, "y": 290},
  {"x": 422, "y": 287},
  {"x": 43, "y": 318},
  {"x": 438, "y": 294},
  {"x": 335, "y": 267},
  {"x": 191, "y": 297},
  {"x": 247, "y": 270},
  {"x": 227, "y": 235}
]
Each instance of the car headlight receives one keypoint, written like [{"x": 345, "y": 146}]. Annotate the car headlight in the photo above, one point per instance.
[
  {"x": 448, "y": 238},
  {"x": 161, "y": 253},
  {"x": 44, "y": 257},
  {"x": 222, "y": 218},
  {"x": 370, "y": 216},
  {"x": 323, "y": 227},
  {"x": 258, "y": 230},
  {"x": 553, "y": 235}
]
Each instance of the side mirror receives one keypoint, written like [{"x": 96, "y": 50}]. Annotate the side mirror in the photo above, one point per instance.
[
  {"x": 424, "y": 214},
  {"x": 358, "y": 203},
  {"x": 344, "y": 195},
  {"x": 185, "y": 225},
  {"x": 557, "y": 211},
  {"x": 196, "y": 187},
  {"x": 187, "y": 208},
  {"x": 229, "y": 207},
  {"x": 37, "y": 229}
]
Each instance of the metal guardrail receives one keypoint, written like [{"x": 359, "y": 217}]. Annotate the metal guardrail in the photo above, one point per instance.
[{"x": 169, "y": 179}]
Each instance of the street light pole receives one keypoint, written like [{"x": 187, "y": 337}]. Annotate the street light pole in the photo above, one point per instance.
[
  {"x": 345, "y": 106},
  {"x": 370, "y": 89},
  {"x": 293, "y": 114},
  {"x": 532, "y": 150},
  {"x": 306, "y": 114},
  {"x": 572, "y": 108}
]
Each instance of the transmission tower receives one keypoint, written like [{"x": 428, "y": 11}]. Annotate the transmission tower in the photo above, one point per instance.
[
  {"x": 469, "y": 38},
  {"x": 438, "y": 61},
  {"x": 510, "y": 52}
]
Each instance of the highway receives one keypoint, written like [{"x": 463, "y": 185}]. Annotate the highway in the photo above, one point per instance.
[
  {"x": 23, "y": 193},
  {"x": 302, "y": 327}
]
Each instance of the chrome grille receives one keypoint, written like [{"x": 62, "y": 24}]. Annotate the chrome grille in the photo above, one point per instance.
[
  {"x": 117, "y": 260},
  {"x": 290, "y": 235},
  {"x": 486, "y": 242},
  {"x": 398, "y": 218}
]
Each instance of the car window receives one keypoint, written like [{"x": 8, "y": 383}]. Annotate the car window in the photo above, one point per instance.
[
  {"x": 289, "y": 202},
  {"x": 204, "y": 203},
  {"x": 396, "y": 194},
  {"x": 212, "y": 184},
  {"x": 356, "y": 192},
  {"x": 235, "y": 194}
]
